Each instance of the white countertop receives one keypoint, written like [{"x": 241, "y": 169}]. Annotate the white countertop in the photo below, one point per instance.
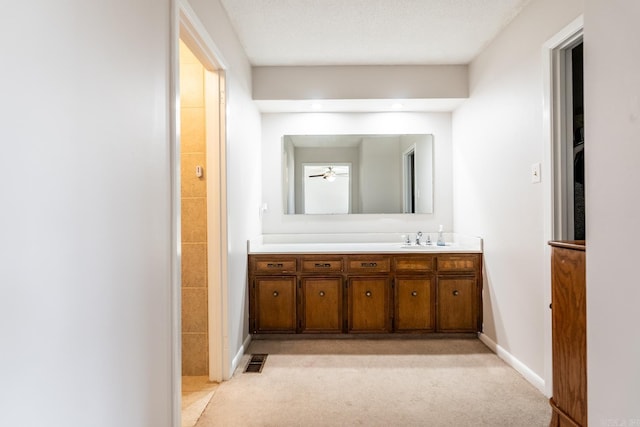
[{"x": 347, "y": 243}]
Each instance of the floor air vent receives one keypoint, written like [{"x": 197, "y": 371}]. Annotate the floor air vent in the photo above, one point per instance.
[{"x": 256, "y": 363}]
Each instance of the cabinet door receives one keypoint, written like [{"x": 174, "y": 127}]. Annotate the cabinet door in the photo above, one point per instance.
[
  {"x": 414, "y": 304},
  {"x": 275, "y": 304},
  {"x": 457, "y": 304},
  {"x": 321, "y": 309},
  {"x": 569, "y": 333},
  {"x": 368, "y": 304}
]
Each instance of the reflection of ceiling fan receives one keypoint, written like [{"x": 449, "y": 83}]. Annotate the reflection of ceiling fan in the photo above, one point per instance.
[{"x": 330, "y": 175}]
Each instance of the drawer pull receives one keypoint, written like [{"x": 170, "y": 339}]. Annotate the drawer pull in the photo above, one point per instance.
[
  {"x": 456, "y": 293},
  {"x": 321, "y": 293},
  {"x": 275, "y": 293},
  {"x": 368, "y": 293},
  {"x": 275, "y": 265},
  {"x": 368, "y": 264},
  {"x": 320, "y": 265},
  {"x": 414, "y": 294}
]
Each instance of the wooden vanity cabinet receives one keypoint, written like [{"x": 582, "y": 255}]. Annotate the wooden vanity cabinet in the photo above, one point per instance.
[
  {"x": 569, "y": 333},
  {"x": 365, "y": 293}
]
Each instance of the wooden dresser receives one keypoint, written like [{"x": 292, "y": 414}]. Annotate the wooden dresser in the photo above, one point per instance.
[
  {"x": 365, "y": 293},
  {"x": 569, "y": 334}
]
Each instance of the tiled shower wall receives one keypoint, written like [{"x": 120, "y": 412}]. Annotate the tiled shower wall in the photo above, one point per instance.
[{"x": 195, "y": 354}]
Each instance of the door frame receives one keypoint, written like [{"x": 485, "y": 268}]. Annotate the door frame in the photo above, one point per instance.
[
  {"x": 187, "y": 27},
  {"x": 408, "y": 181},
  {"x": 553, "y": 170}
]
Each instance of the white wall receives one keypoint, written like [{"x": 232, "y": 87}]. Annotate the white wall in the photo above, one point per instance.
[
  {"x": 612, "y": 96},
  {"x": 381, "y": 175},
  {"x": 274, "y": 126},
  {"x": 497, "y": 136},
  {"x": 243, "y": 167},
  {"x": 360, "y": 82},
  {"x": 85, "y": 194}
]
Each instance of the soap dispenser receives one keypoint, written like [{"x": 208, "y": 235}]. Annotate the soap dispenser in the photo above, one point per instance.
[{"x": 440, "y": 236}]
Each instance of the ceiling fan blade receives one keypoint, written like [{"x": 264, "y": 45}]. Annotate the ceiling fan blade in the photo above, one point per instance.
[{"x": 314, "y": 176}]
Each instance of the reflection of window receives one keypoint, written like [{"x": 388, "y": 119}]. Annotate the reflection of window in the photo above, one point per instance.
[{"x": 326, "y": 188}]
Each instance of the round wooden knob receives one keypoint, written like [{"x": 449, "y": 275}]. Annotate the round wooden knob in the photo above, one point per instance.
[
  {"x": 321, "y": 293},
  {"x": 275, "y": 293},
  {"x": 414, "y": 294},
  {"x": 456, "y": 293},
  {"x": 368, "y": 293}
]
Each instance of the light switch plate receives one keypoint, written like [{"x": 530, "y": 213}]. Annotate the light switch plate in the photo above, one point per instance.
[{"x": 535, "y": 173}]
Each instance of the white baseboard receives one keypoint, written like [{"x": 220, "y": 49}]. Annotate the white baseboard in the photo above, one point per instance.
[
  {"x": 236, "y": 360},
  {"x": 516, "y": 364}
]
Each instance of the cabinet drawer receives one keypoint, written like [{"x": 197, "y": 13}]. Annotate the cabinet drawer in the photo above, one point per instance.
[
  {"x": 414, "y": 264},
  {"x": 369, "y": 264},
  {"x": 275, "y": 265},
  {"x": 321, "y": 265},
  {"x": 457, "y": 263}
]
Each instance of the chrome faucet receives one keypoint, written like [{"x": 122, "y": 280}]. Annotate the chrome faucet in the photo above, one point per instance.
[{"x": 418, "y": 237}]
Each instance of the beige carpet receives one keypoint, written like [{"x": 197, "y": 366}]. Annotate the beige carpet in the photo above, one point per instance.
[{"x": 363, "y": 382}]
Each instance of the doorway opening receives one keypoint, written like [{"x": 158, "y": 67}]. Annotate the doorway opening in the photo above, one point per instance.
[
  {"x": 201, "y": 355},
  {"x": 576, "y": 139},
  {"x": 563, "y": 163},
  {"x": 569, "y": 142}
]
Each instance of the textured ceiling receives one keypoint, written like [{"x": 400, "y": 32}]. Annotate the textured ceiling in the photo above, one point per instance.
[{"x": 364, "y": 32}]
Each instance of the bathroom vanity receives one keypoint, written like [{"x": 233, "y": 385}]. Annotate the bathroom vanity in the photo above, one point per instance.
[{"x": 365, "y": 287}]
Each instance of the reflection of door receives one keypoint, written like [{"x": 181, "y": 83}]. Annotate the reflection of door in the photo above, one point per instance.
[
  {"x": 409, "y": 180},
  {"x": 417, "y": 175}
]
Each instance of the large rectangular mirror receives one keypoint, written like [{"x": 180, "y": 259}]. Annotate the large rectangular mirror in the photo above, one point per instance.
[{"x": 357, "y": 174}]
